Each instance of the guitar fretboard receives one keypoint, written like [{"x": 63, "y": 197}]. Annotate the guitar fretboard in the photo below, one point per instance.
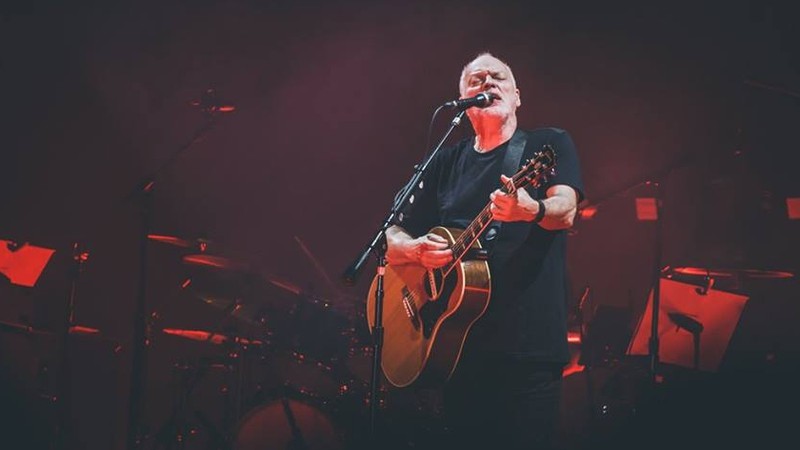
[
  {"x": 531, "y": 173},
  {"x": 473, "y": 231}
]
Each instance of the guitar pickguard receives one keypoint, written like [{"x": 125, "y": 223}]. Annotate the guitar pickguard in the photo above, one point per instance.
[{"x": 433, "y": 309}]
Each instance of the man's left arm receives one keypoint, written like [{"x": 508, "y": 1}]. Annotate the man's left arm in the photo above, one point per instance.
[{"x": 560, "y": 206}]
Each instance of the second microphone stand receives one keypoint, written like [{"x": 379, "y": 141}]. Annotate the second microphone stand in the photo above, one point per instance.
[
  {"x": 144, "y": 193},
  {"x": 377, "y": 246}
]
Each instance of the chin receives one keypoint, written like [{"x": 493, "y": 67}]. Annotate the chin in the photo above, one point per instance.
[{"x": 492, "y": 111}]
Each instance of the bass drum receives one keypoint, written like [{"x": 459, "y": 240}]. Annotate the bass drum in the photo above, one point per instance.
[{"x": 285, "y": 424}]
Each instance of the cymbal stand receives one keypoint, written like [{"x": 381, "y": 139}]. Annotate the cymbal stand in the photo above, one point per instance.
[
  {"x": 144, "y": 193},
  {"x": 63, "y": 398},
  {"x": 235, "y": 362},
  {"x": 174, "y": 434},
  {"x": 377, "y": 246}
]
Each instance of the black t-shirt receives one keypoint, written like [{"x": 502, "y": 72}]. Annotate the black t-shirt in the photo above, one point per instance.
[{"x": 526, "y": 317}]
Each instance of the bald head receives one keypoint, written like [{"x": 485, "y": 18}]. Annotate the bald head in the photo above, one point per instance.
[{"x": 482, "y": 60}]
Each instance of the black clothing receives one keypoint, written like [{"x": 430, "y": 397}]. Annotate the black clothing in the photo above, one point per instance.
[
  {"x": 506, "y": 389},
  {"x": 526, "y": 317}
]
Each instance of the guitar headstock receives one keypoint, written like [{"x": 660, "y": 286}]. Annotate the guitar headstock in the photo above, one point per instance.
[{"x": 535, "y": 170}]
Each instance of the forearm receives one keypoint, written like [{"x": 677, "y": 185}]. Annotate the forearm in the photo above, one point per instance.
[
  {"x": 400, "y": 246},
  {"x": 559, "y": 213}
]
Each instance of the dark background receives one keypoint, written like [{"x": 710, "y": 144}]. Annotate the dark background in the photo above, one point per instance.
[{"x": 333, "y": 104}]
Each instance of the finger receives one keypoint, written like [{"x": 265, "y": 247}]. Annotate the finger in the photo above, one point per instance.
[
  {"x": 504, "y": 179},
  {"x": 503, "y": 202},
  {"x": 500, "y": 216},
  {"x": 437, "y": 255},
  {"x": 433, "y": 260},
  {"x": 436, "y": 246},
  {"x": 497, "y": 193},
  {"x": 523, "y": 194},
  {"x": 436, "y": 262},
  {"x": 436, "y": 238}
]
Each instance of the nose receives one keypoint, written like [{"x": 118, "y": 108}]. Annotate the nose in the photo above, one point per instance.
[{"x": 489, "y": 82}]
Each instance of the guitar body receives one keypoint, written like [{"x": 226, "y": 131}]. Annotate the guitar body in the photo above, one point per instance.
[{"x": 425, "y": 320}]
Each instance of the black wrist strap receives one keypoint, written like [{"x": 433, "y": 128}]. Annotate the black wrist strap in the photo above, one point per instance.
[{"x": 541, "y": 212}]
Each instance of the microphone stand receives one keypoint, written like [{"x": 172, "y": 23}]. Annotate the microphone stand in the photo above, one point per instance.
[
  {"x": 653, "y": 345},
  {"x": 144, "y": 192},
  {"x": 378, "y": 246}
]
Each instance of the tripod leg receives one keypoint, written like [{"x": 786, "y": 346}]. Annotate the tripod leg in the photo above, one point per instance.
[{"x": 218, "y": 441}]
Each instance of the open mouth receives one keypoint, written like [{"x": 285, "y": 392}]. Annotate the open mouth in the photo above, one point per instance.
[{"x": 495, "y": 96}]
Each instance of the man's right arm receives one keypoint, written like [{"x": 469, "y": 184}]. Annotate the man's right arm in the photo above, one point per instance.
[{"x": 429, "y": 250}]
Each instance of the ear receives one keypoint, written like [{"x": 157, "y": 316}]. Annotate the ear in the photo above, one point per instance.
[{"x": 519, "y": 99}]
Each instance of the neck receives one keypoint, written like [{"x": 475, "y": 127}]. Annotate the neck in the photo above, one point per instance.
[{"x": 490, "y": 132}]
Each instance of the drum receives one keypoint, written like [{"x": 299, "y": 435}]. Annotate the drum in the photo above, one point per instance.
[
  {"x": 287, "y": 423},
  {"x": 306, "y": 375},
  {"x": 314, "y": 329}
]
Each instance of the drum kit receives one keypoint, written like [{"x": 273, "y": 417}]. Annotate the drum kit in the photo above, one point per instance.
[
  {"x": 286, "y": 367},
  {"x": 297, "y": 364}
]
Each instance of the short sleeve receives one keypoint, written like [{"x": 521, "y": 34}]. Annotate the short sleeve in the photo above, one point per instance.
[{"x": 568, "y": 168}]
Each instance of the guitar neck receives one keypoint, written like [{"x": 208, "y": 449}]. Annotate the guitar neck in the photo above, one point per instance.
[
  {"x": 531, "y": 173},
  {"x": 474, "y": 231}
]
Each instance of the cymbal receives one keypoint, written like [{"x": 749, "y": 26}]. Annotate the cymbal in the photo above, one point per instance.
[
  {"x": 212, "y": 338},
  {"x": 80, "y": 329},
  {"x": 250, "y": 311},
  {"x": 284, "y": 284},
  {"x": 339, "y": 305},
  {"x": 213, "y": 261},
  {"x": 198, "y": 243},
  {"x": 30, "y": 330},
  {"x": 20, "y": 328},
  {"x": 732, "y": 273}
]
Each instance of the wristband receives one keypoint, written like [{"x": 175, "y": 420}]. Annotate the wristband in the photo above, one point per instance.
[{"x": 540, "y": 214}]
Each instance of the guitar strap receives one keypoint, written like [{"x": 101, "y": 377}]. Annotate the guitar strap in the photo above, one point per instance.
[
  {"x": 516, "y": 146},
  {"x": 511, "y": 164}
]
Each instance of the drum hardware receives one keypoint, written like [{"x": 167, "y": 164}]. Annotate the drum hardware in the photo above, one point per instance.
[{"x": 178, "y": 430}]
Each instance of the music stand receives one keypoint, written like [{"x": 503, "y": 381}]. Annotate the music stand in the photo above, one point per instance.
[
  {"x": 23, "y": 264},
  {"x": 695, "y": 325}
]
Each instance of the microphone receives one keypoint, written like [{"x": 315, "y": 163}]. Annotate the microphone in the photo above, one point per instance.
[{"x": 481, "y": 100}]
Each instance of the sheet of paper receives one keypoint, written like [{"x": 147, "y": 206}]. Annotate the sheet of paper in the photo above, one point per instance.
[{"x": 24, "y": 264}]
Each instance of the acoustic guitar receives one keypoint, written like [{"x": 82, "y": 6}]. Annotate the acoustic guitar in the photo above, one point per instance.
[{"x": 427, "y": 314}]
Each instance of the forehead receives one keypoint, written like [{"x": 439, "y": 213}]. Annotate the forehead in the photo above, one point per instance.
[{"x": 486, "y": 64}]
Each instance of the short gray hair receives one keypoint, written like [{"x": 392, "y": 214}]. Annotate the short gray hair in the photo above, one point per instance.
[{"x": 461, "y": 84}]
